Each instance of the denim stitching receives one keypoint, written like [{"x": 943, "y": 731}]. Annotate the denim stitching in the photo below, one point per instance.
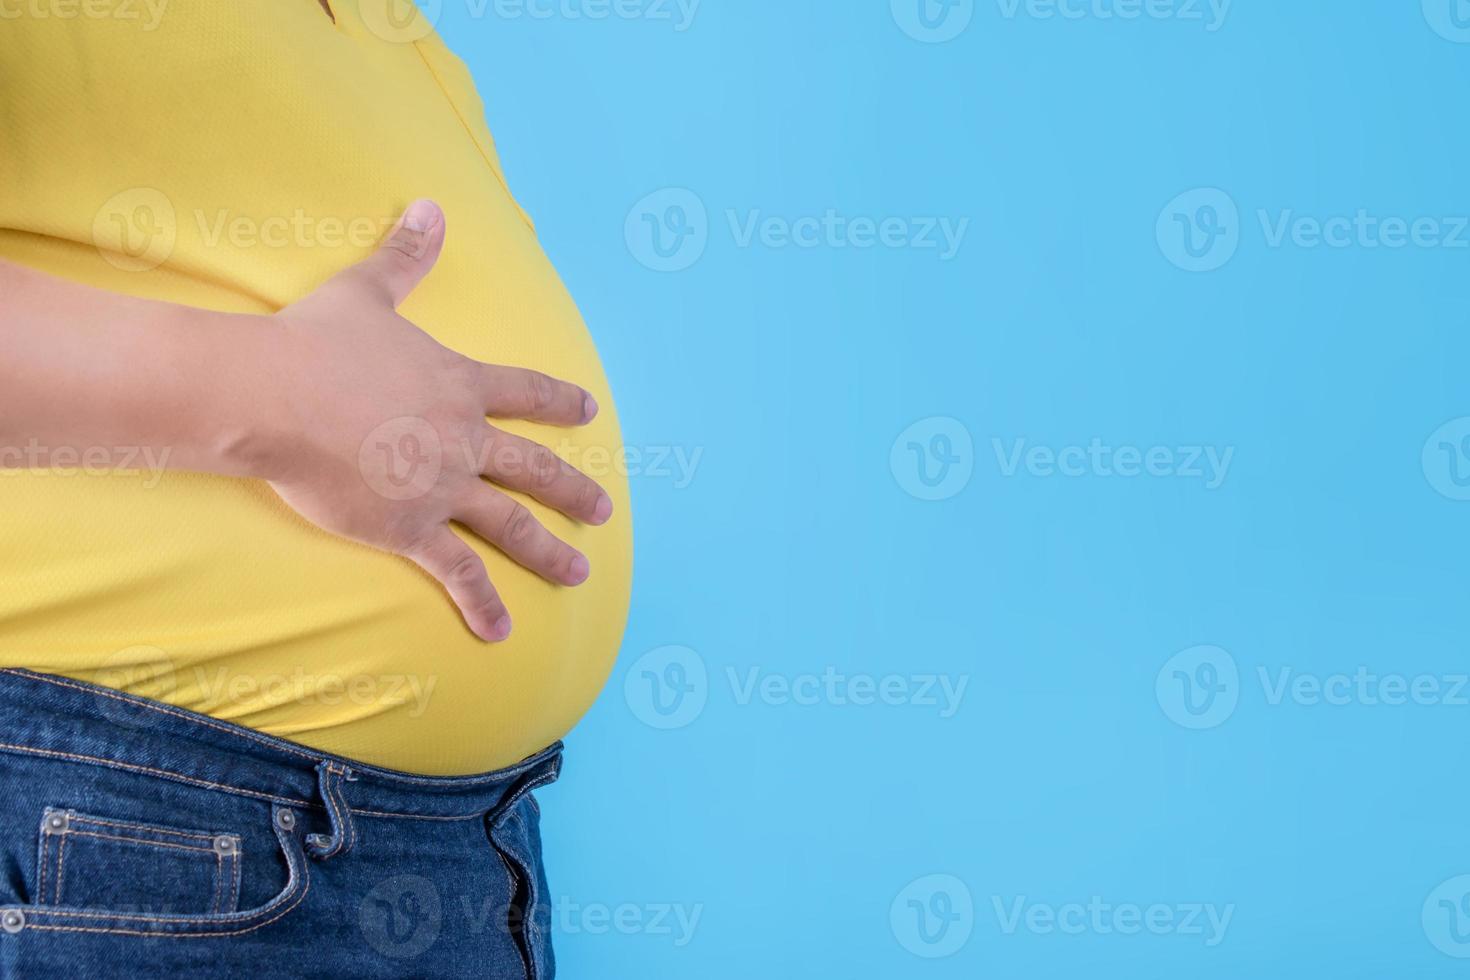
[
  {"x": 420, "y": 816},
  {"x": 512, "y": 813},
  {"x": 222, "y": 885},
  {"x": 174, "y": 935},
  {"x": 164, "y": 935},
  {"x": 114, "y": 764},
  {"x": 533, "y": 936},
  {"x": 341, "y": 823},
  {"x": 219, "y": 876},
  {"x": 138, "y": 840},
  {"x": 350, "y": 828},
  {"x": 344, "y": 833},
  {"x": 43, "y": 860},
  {"x": 304, "y": 877},
  {"x": 125, "y": 825},
  {"x": 179, "y": 920},
  {"x": 455, "y": 782},
  {"x": 351, "y": 824},
  {"x": 508, "y": 806},
  {"x": 219, "y": 893},
  {"x": 232, "y": 899},
  {"x": 239, "y": 790},
  {"x": 60, "y": 868},
  {"x": 533, "y": 886},
  {"x": 515, "y": 876}
]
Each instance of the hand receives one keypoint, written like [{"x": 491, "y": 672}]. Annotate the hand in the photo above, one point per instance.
[{"x": 391, "y": 441}]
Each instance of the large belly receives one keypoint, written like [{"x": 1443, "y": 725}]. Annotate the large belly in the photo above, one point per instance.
[{"x": 276, "y": 154}]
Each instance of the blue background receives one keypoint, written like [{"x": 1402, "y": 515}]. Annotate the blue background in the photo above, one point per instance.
[{"x": 797, "y": 545}]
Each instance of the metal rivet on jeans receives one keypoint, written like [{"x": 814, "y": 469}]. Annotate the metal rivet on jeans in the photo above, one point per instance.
[
  {"x": 12, "y": 920},
  {"x": 224, "y": 844},
  {"x": 286, "y": 819},
  {"x": 56, "y": 823}
]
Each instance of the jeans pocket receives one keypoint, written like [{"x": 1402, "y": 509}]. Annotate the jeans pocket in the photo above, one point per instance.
[
  {"x": 142, "y": 879},
  {"x": 94, "y": 862}
]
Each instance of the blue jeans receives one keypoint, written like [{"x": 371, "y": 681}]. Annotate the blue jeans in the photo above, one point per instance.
[{"x": 138, "y": 839}]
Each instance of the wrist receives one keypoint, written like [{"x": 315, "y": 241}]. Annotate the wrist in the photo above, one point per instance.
[{"x": 252, "y": 421}]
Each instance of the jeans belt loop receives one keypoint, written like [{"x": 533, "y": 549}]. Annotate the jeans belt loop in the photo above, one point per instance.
[{"x": 330, "y": 776}]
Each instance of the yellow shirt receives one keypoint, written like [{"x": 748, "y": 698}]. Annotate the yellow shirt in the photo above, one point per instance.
[{"x": 233, "y": 155}]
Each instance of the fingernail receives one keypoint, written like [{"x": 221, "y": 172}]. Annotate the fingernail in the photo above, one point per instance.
[
  {"x": 589, "y": 408},
  {"x": 603, "y": 510},
  {"x": 500, "y": 630},
  {"x": 420, "y": 216},
  {"x": 580, "y": 570}
]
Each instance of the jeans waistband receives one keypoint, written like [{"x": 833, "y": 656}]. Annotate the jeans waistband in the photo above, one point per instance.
[{"x": 71, "y": 720}]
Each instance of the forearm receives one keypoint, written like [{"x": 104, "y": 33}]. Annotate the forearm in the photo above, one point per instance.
[
  {"x": 89, "y": 377},
  {"x": 360, "y": 421}
]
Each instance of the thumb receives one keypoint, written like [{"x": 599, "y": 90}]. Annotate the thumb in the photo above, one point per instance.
[{"x": 408, "y": 253}]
